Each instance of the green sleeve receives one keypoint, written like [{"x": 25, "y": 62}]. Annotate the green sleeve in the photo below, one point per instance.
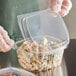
[{"x": 9, "y": 9}]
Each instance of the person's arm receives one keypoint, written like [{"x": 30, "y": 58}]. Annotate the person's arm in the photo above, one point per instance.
[
  {"x": 5, "y": 42},
  {"x": 61, "y": 7}
]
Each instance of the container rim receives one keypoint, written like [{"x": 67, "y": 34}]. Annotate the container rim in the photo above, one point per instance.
[
  {"x": 15, "y": 70},
  {"x": 63, "y": 45}
]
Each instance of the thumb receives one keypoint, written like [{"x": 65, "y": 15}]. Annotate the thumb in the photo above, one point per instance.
[{"x": 66, "y": 7}]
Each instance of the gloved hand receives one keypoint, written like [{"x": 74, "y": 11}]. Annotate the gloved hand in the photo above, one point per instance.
[
  {"x": 61, "y": 7},
  {"x": 5, "y": 42}
]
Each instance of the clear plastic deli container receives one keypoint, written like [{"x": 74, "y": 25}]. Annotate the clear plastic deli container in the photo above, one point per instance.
[
  {"x": 12, "y": 71},
  {"x": 50, "y": 38}
]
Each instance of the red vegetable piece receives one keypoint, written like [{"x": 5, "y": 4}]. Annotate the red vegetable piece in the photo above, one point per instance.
[{"x": 6, "y": 74}]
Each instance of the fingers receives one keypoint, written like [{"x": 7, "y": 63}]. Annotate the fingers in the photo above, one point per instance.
[
  {"x": 6, "y": 37},
  {"x": 56, "y": 5},
  {"x": 61, "y": 7},
  {"x": 5, "y": 42},
  {"x": 66, "y": 7},
  {"x": 3, "y": 46}
]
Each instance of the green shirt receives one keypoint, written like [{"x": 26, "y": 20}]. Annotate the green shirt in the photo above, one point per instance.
[{"x": 9, "y": 9}]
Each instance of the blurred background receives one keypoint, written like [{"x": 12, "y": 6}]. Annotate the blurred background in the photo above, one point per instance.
[{"x": 70, "y": 21}]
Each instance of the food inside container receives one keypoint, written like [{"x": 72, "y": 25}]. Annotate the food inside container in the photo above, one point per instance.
[
  {"x": 43, "y": 53},
  {"x": 12, "y": 71},
  {"x": 9, "y": 74}
]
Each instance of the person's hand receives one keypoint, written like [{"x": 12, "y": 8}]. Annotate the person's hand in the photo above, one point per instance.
[
  {"x": 61, "y": 7},
  {"x": 5, "y": 42}
]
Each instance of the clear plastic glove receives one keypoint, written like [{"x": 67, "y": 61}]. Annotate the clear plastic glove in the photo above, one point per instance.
[
  {"x": 61, "y": 7},
  {"x": 5, "y": 42}
]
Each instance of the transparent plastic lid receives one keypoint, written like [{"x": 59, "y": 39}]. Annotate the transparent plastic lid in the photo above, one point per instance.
[
  {"x": 12, "y": 71},
  {"x": 44, "y": 22}
]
